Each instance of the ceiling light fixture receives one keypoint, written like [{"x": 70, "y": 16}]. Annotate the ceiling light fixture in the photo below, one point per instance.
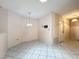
[
  {"x": 74, "y": 20},
  {"x": 43, "y": 1},
  {"x": 29, "y": 24}
]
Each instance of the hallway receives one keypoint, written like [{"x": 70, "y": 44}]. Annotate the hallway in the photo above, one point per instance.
[
  {"x": 39, "y": 29},
  {"x": 39, "y": 50}
]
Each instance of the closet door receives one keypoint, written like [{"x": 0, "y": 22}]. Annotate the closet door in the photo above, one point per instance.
[{"x": 77, "y": 30}]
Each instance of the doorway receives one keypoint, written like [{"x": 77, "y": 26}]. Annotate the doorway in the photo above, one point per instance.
[{"x": 74, "y": 28}]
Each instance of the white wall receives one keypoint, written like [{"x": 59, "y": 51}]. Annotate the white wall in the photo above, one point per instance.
[
  {"x": 18, "y": 31},
  {"x": 14, "y": 29},
  {"x": 45, "y": 34},
  {"x": 49, "y": 35},
  {"x": 3, "y": 20},
  {"x": 3, "y": 32},
  {"x": 16, "y": 26},
  {"x": 55, "y": 27},
  {"x": 61, "y": 30},
  {"x": 3, "y": 45},
  {"x": 66, "y": 29},
  {"x": 30, "y": 33}
]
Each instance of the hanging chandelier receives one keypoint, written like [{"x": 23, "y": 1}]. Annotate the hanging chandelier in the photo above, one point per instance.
[{"x": 29, "y": 24}]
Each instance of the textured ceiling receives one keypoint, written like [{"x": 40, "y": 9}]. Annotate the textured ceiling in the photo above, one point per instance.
[{"x": 39, "y": 9}]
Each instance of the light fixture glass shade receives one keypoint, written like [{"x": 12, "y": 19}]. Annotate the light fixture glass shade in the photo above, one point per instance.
[
  {"x": 43, "y": 1},
  {"x": 29, "y": 25},
  {"x": 74, "y": 20}
]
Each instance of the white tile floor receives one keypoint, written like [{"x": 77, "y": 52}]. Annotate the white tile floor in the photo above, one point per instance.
[{"x": 38, "y": 50}]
